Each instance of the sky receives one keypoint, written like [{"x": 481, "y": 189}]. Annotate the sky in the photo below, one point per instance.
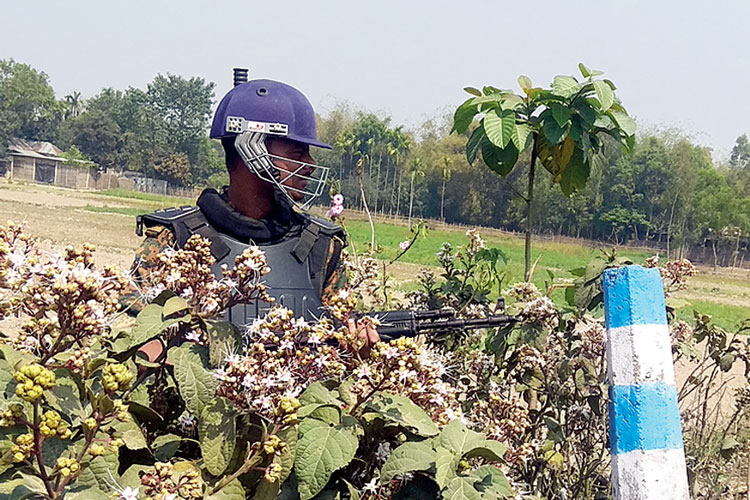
[{"x": 677, "y": 64}]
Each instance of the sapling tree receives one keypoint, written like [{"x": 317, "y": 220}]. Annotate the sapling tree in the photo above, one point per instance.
[{"x": 563, "y": 128}]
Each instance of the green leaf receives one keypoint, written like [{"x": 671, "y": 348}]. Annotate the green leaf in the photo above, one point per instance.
[
  {"x": 446, "y": 463},
  {"x": 130, "y": 433},
  {"x": 473, "y": 91},
  {"x": 489, "y": 449},
  {"x": 459, "y": 439},
  {"x": 560, "y": 113},
  {"x": 624, "y": 122},
  {"x": 728, "y": 447},
  {"x": 65, "y": 397},
  {"x": 148, "y": 325},
  {"x": 232, "y": 491},
  {"x": 575, "y": 174},
  {"x": 317, "y": 393},
  {"x": 565, "y": 86},
  {"x": 402, "y": 411},
  {"x": 321, "y": 451},
  {"x": 287, "y": 455},
  {"x": 25, "y": 486},
  {"x": 87, "y": 493},
  {"x": 524, "y": 82},
  {"x": 196, "y": 384},
  {"x": 521, "y": 136},
  {"x": 164, "y": 447},
  {"x": 464, "y": 116},
  {"x": 498, "y": 125},
  {"x": 585, "y": 72},
  {"x": 353, "y": 492},
  {"x": 552, "y": 131},
  {"x": 490, "y": 479},
  {"x": 605, "y": 94},
  {"x": 217, "y": 435},
  {"x": 500, "y": 161},
  {"x": 461, "y": 489},
  {"x": 474, "y": 144},
  {"x": 174, "y": 307},
  {"x": 409, "y": 457},
  {"x": 328, "y": 413},
  {"x": 266, "y": 490},
  {"x": 223, "y": 339},
  {"x": 98, "y": 473},
  {"x": 345, "y": 392}
]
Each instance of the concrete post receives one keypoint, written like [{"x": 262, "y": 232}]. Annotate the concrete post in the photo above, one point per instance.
[{"x": 645, "y": 433}]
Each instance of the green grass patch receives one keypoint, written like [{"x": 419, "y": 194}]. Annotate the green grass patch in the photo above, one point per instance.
[
  {"x": 555, "y": 256},
  {"x": 726, "y": 316},
  {"x": 161, "y": 200}
]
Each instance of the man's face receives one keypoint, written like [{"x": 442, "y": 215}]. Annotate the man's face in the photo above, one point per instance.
[{"x": 296, "y": 152}]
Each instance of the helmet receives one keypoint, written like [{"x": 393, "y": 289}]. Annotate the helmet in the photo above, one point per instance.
[{"x": 253, "y": 111}]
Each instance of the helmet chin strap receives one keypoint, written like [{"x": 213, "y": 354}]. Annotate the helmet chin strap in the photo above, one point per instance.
[{"x": 251, "y": 147}]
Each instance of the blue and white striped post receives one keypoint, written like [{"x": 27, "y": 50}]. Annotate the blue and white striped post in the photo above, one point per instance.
[{"x": 648, "y": 459}]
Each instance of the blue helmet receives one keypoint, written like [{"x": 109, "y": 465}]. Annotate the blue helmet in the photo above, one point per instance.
[{"x": 255, "y": 110}]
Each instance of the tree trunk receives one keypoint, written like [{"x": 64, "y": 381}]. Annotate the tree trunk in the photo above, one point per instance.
[
  {"x": 398, "y": 194},
  {"x": 411, "y": 194},
  {"x": 529, "y": 213},
  {"x": 669, "y": 226},
  {"x": 442, "y": 202},
  {"x": 385, "y": 191},
  {"x": 713, "y": 245},
  {"x": 736, "y": 250}
]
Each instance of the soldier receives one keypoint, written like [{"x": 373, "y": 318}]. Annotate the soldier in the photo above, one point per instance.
[{"x": 266, "y": 128}]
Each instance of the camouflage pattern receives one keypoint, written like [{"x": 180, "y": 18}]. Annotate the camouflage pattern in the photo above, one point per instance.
[{"x": 159, "y": 238}]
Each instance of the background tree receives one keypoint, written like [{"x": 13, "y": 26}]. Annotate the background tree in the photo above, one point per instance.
[
  {"x": 28, "y": 108},
  {"x": 562, "y": 127}
]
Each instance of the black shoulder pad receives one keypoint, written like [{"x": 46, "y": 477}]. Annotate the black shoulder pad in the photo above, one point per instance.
[
  {"x": 328, "y": 228},
  {"x": 164, "y": 217}
]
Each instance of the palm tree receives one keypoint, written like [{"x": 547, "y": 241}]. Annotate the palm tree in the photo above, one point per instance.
[
  {"x": 446, "y": 176},
  {"x": 74, "y": 100},
  {"x": 415, "y": 172}
]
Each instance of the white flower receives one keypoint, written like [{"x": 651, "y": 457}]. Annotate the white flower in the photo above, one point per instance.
[
  {"x": 391, "y": 352},
  {"x": 247, "y": 380},
  {"x": 338, "y": 199},
  {"x": 363, "y": 371},
  {"x": 128, "y": 493},
  {"x": 193, "y": 336},
  {"x": 372, "y": 486},
  {"x": 404, "y": 245},
  {"x": 221, "y": 374}
]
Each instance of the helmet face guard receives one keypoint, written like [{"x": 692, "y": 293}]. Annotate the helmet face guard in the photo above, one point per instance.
[{"x": 251, "y": 146}]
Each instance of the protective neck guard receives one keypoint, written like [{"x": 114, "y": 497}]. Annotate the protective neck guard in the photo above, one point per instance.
[{"x": 222, "y": 216}]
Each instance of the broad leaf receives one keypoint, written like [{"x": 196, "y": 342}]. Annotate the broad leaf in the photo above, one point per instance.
[
  {"x": 317, "y": 393},
  {"x": 217, "y": 435},
  {"x": 560, "y": 113},
  {"x": 461, "y": 488},
  {"x": 605, "y": 94},
  {"x": 498, "y": 125},
  {"x": 576, "y": 173},
  {"x": 196, "y": 384},
  {"x": 459, "y": 439},
  {"x": 446, "y": 463},
  {"x": 99, "y": 472},
  {"x": 232, "y": 491},
  {"x": 164, "y": 447},
  {"x": 521, "y": 136},
  {"x": 345, "y": 392},
  {"x": 473, "y": 91},
  {"x": 474, "y": 144},
  {"x": 175, "y": 307},
  {"x": 624, "y": 122},
  {"x": 408, "y": 457},
  {"x": 490, "y": 479},
  {"x": 402, "y": 411},
  {"x": 552, "y": 131},
  {"x": 321, "y": 451},
  {"x": 464, "y": 116},
  {"x": 489, "y": 449},
  {"x": 524, "y": 82},
  {"x": 585, "y": 72},
  {"x": 500, "y": 161},
  {"x": 130, "y": 433},
  {"x": 87, "y": 493},
  {"x": 565, "y": 86}
]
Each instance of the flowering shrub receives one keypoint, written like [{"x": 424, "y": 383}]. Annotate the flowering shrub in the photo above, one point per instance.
[{"x": 282, "y": 407}]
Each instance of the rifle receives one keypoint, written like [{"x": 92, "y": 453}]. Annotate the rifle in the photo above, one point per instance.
[{"x": 405, "y": 323}]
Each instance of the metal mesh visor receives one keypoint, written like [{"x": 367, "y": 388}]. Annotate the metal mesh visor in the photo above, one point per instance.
[{"x": 251, "y": 147}]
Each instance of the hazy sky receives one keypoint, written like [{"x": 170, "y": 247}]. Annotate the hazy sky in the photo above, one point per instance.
[{"x": 676, "y": 63}]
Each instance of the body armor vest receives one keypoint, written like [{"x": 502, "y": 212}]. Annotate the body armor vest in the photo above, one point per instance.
[{"x": 299, "y": 261}]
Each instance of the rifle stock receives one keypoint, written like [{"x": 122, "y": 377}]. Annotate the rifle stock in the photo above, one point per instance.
[{"x": 405, "y": 323}]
